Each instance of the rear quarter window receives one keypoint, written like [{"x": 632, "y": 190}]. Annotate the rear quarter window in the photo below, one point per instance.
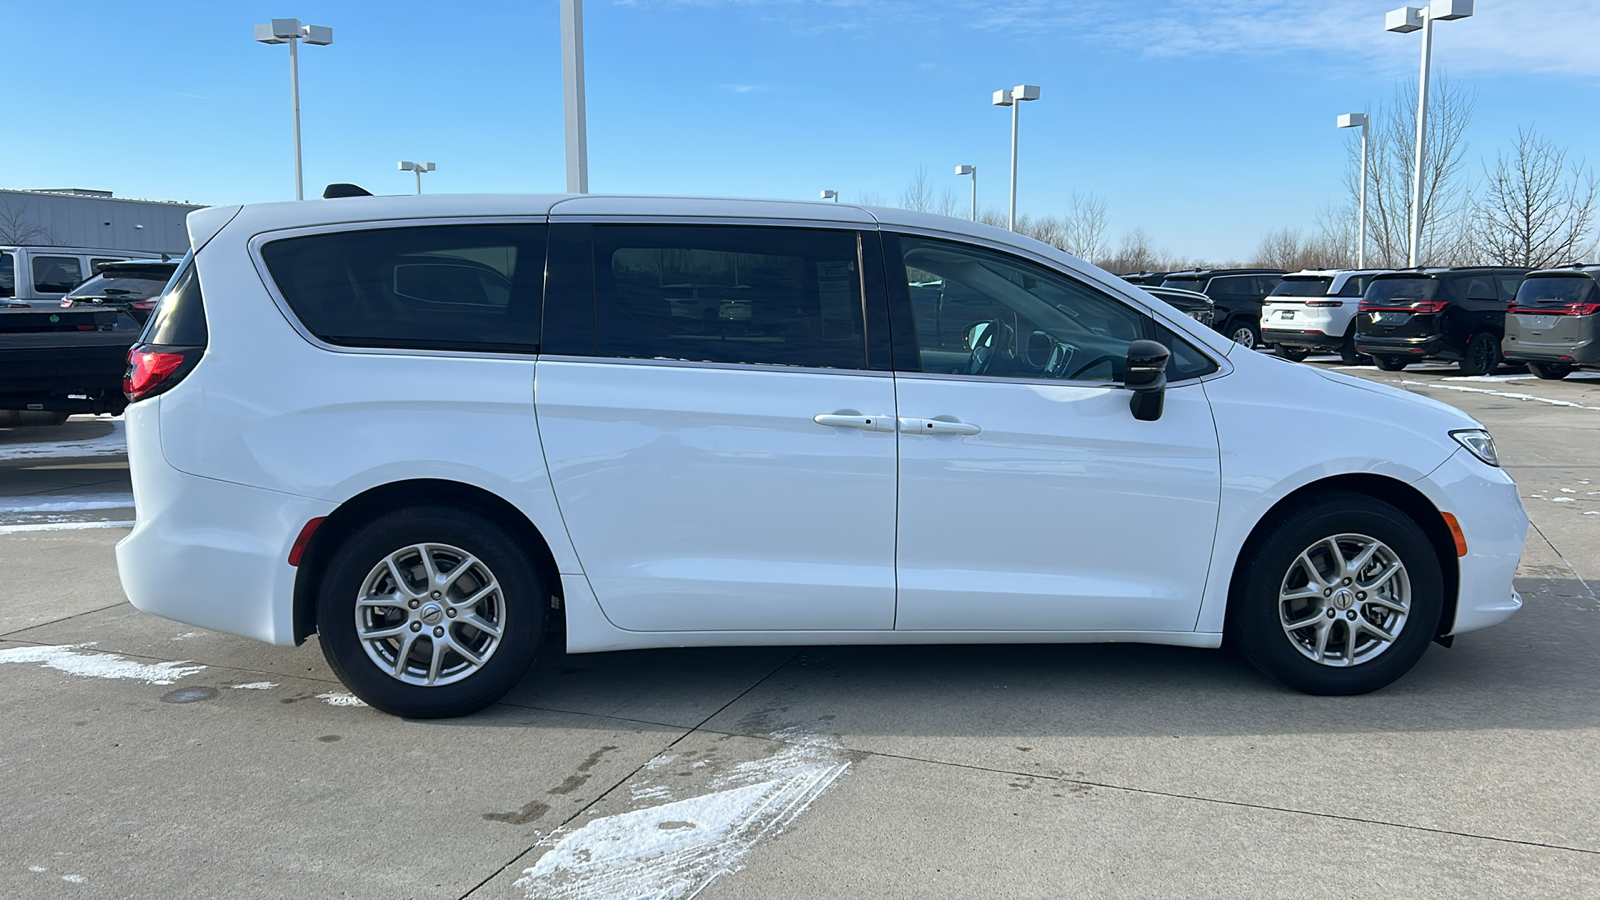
[
  {"x": 436, "y": 287},
  {"x": 8, "y": 275}
]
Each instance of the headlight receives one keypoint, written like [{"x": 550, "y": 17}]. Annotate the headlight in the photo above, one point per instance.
[{"x": 1479, "y": 443}]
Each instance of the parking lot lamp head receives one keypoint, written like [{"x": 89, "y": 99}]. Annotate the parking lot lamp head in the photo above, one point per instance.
[
  {"x": 418, "y": 168},
  {"x": 831, "y": 195},
  {"x": 291, "y": 32},
  {"x": 1014, "y": 98},
  {"x": 1405, "y": 20},
  {"x": 973, "y": 171},
  {"x": 1359, "y": 120}
]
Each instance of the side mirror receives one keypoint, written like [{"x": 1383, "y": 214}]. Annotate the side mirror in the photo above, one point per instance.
[{"x": 1146, "y": 376}]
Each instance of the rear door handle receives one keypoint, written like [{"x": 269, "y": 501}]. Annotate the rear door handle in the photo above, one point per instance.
[
  {"x": 936, "y": 426},
  {"x": 855, "y": 420}
]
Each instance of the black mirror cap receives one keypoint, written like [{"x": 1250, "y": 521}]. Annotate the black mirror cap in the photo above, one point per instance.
[
  {"x": 1147, "y": 364},
  {"x": 340, "y": 189}
]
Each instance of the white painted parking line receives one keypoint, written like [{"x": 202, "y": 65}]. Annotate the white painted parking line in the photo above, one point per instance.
[
  {"x": 1509, "y": 394},
  {"x": 43, "y": 503},
  {"x": 62, "y": 526}
]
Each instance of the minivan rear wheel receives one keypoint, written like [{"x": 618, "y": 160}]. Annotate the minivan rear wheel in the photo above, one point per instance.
[
  {"x": 1482, "y": 356},
  {"x": 1342, "y": 597},
  {"x": 1293, "y": 354},
  {"x": 1551, "y": 371},
  {"x": 1347, "y": 350},
  {"x": 430, "y": 611},
  {"x": 1390, "y": 363}
]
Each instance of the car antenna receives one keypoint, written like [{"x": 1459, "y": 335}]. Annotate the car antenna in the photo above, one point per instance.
[{"x": 340, "y": 189}]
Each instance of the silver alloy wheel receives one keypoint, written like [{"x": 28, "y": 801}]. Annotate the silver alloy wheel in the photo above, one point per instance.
[
  {"x": 1243, "y": 335},
  {"x": 1344, "y": 600},
  {"x": 430, "y": 614}
]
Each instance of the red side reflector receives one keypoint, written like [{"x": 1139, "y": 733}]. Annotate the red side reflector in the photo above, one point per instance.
[
  {"x": 1455, "y": 532},
  {"x": 299, "y": 548}
]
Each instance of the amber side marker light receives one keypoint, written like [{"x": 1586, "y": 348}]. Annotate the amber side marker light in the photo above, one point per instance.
[{"x": 1455, "y": 532}]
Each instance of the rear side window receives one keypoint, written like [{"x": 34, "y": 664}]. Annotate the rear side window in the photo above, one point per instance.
[
  {"x": 437, "y": 287},
  {"x": 1231, "y": 285},
  {"x": 1355, "y": 286},
  {"x": 8, "y": 275},
  {"x": 1186, "y": 282},
  {"x": 764, "y": 296},
  {"x": 180, "y": 317},
  {"x": 56, "y": 274},
  {"x": 1303, "y": 287}
]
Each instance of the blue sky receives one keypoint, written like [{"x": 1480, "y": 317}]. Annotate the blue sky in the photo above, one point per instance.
[{"x": 1206, "y": 123}]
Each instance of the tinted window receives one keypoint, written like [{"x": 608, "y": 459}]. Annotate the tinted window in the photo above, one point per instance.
[
  {"x": 704, "y": 293},
  {"x": 180, "y": 317},
  {"x": 8, "y": 275},
  {"x": 1186, "y": 282},
  {"x": 1266, "y": 284},
  {"x": 1231, "y": 285},
  {"x": 1558, "y": 290},
  {"x": 1186, "y": 360},
  {"x": 1025, "y": 320},
  {"x": 56, "y": 274},
  {"x": 1303, "y": 287},
  {"x": 1481, "y": 287},
  {"x": 1509, "y": 285},
  {"x": 473, "y": 287},
  {"x": 1400, "y": 291},
  {"x": 96, "y": 264},
  {"x": 119, "y": 288},
  {"x": 1355, "y": 286}
]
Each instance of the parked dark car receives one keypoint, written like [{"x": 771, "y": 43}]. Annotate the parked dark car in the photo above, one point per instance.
[
  {"x": 1455, "y": 314},
  {"x": 130, "y": 286},
  {"x": 1143, "y": 279},
  {"x": 1237, "y": 294},
  {"x": 1553, "y": 324},
  {"x": 1193, "y": 304}
]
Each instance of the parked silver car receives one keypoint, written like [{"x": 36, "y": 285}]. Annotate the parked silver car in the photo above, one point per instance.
[{"x": 1553, "y": 323}]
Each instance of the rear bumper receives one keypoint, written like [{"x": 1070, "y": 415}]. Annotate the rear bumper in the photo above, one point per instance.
[
  {"x": 1584, "y": 352},
  {"x": 206, "y": 552},
  {"x": 1302, "y": 339},
  {"x": 1415, "y": 348}
]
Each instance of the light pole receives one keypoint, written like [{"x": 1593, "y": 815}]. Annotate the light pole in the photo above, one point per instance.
[
  {"x": 1013, "y": 98},
  {"x": 576, "y": 103},
  {"x": 418, "y": 168},
  {"x": 831, "y": 195},
  {"x": 973, "y": 171},
  {"x": 1359, "y": 120},
  {"x": 291, "y": 32},
  {"x": 1405, "y": 20}
]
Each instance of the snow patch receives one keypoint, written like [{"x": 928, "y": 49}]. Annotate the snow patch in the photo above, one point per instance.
[
  {"x": 1593, "y": 512},
  {"x": 74, "y": 879},
  {"x": 63, "y": 526},
  {"x": 1568, "y": 491},
  {"x": 255, "y": 686},
  {"x": 340, "y": 698},
  {"x": 113, "y": 444},
  {"x": 672, "y": 851},
  {"x": 1562, "y": 500},
  {"x": 37, "y": 869},
  {"x": 64, "y": 503},
  {"x": 74, "y": 660}
]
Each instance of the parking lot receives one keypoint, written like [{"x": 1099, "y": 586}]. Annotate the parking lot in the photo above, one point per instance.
[{"x": 150, "y": 759}]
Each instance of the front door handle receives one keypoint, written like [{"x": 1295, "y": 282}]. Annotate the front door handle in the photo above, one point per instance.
[
  {"x": 937, "y": 426},
  {"x": 852, "y": 419}
]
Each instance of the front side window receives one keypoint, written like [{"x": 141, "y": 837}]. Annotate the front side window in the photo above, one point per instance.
[
  {"x": 56, "y": 274},
  {"x": 435, "y": 287},
  {"x": 980, "y": 312},
  {"x": 8, "y": 274},
  {"x": 729, "y": 294}
]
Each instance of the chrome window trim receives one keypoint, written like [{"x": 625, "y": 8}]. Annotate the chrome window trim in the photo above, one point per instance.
[
  {"x": 1047, "y": 382},
  {"x": 697, "y": 364},
  {"x": 1220, "y": 360},
  {"x": 261, "y": 239}
]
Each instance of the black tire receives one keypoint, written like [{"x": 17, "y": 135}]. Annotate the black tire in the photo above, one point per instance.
[
  {"x": 521, "y": 605},
  {"x": 1292, "y": 354},
  {"x": 1551, "y": 371},
  {"x": 1237, "y": 328},
  {"x": 1347, "y": 350},
  {"x": 1390, "y": 363},
  {"x": 1254, "y": 622},
  {"x": 1482, "y": 356}
]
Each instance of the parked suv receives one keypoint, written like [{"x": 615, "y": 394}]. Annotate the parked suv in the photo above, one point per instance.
[
  {"x": 1315, "y": 310},
  {"x": 41, "y": 276},
  {"x": 1554, "y": 321},
  {"x": 672, "y": 423},
  {"x": 1457, "y": 314},
  {"x": 130, "y": 286},
  {"x": 1237, "y": 293}
]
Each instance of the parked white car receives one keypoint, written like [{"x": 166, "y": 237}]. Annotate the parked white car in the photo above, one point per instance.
[
  {"x": 433, "y": 429},
  {"x": 1314, "y": 310}
]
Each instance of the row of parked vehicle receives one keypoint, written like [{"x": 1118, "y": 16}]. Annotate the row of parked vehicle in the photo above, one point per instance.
[{"x": 1478, "y": 316}]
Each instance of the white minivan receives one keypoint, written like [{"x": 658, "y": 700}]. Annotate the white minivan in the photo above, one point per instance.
[{"x": 440, "y": 432}]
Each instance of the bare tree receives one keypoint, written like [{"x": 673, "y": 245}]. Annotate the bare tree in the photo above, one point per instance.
[
  {"x": 870, "y": 198},
  {"x": 1536, "y": 209},
  {"x": 1287, "y": 249},
  {"x": 1392, "y": 149},
  {"x": 1084, "y": 229},
  {"x": 947, "y": 203},
  {"x": 17, "y": 228},
  {"x": 918, "y": 194}
]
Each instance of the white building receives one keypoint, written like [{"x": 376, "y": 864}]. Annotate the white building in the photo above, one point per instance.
[{"x": 71, "y": 217}]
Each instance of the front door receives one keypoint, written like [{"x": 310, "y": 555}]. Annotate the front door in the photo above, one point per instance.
[
  {"x": 1030, "y": 497},
  {"x": 723, "y": 457}
]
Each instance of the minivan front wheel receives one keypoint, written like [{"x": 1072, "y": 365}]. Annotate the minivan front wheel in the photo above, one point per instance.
[
  {"x": 1343, "y": 597},
  {"x": 430, "y": 611},
  {"x": 1551, "y": 371}
]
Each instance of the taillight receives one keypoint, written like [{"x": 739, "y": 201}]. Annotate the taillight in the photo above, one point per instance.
[
  {"x": 66, "y": 304},
  {"x": 152, "y": 370},
  {"x": 144, "y": 304},
  {"x": 1585, "y": 309},
  {"x": 1324, "y": 303},
  {"x": 1428, "y": 306}
]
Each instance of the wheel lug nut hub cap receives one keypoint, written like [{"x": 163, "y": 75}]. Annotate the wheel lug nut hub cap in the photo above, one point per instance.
[
  {"x": 431, "y": 614},
  {"x": 1343, "y": 598}
]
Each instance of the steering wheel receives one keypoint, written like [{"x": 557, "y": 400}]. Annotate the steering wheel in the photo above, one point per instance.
[
  {"x": 996, "y": 338},
  {"x": 1105, "y": 357}
]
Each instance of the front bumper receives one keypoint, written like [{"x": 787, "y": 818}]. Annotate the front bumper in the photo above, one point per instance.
[{"x": 1484, "y": 501}]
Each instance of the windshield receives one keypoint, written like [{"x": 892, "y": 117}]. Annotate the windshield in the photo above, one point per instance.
[
  {"x": 8, "y": 275},
  {"x": 1303, "y": 286},
  {"x": 1400, "y": 291},
  {"x": 1557, "y": 290},
  {"x": 119, "y": 288},
  {"x": 1187, "y": 282}
]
